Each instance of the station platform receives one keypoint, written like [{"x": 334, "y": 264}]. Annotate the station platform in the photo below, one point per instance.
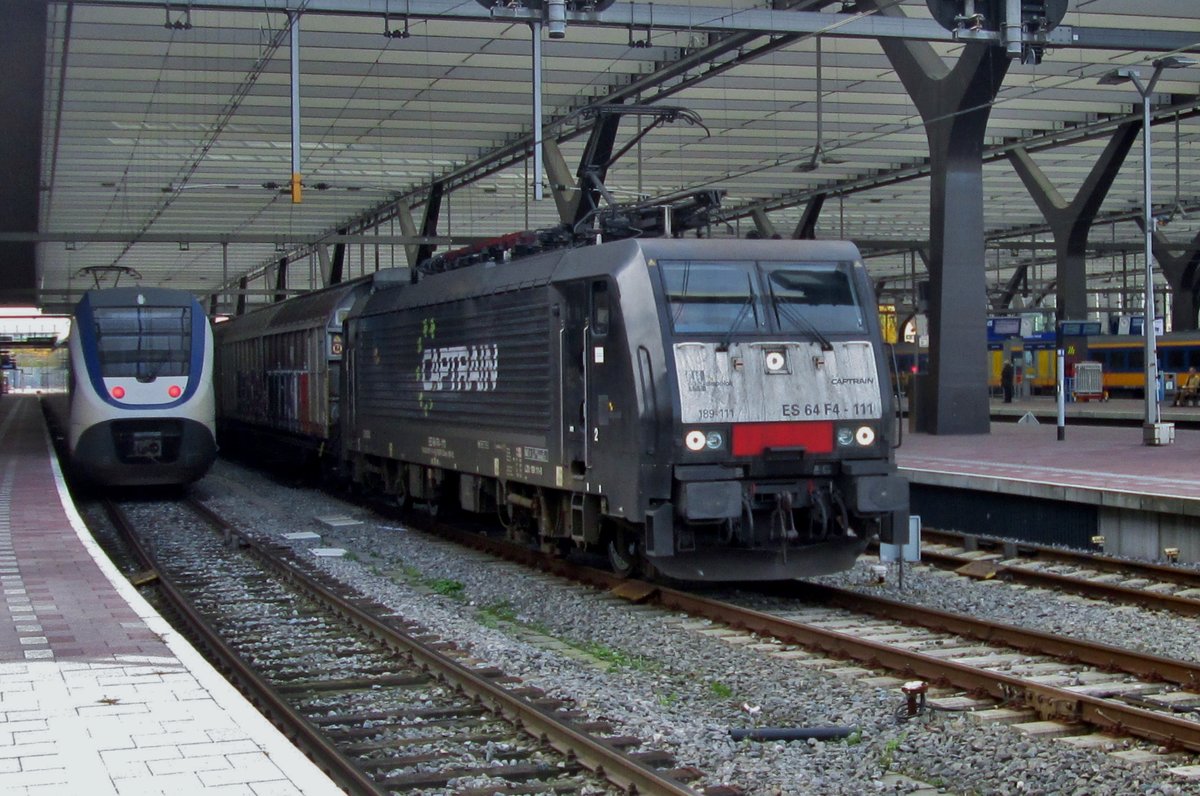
[
  {"x": 1141, "y": 498},
  {"x": 1105, "y": 465},
  {"x": 98, "y": 694},
  {"x": 1114, "y": 411}
]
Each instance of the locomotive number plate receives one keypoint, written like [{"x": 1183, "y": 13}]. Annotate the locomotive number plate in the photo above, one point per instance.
[{"x": 831, "y": 411}]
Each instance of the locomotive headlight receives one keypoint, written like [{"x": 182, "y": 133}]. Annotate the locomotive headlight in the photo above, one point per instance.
[
  {"x": 845, "y": 436},
  {"x": 695, "y": 440},
  {"x": 864, "y": 436},
  {"x": 776, "y": 362},
  {"x": 714, "y": 441}
]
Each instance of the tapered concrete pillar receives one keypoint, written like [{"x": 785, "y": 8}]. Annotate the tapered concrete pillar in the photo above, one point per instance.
[
  {"x": 23, "y": 42},
  {"x": 1071, "y": 222},
  {"x": 955, "y": 104},
  {"x": 806, "y": 228},
  {"x": 1182, "y": 272}
]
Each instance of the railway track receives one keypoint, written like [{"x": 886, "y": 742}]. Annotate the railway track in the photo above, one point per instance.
[
  {"x": 382, "y": 705},
  {"x": 1157, "y": 586},
  {"x": 1082, "y": 686}
]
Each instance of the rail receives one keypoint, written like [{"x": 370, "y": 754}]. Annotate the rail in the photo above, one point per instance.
[
  {"x": 1047, "y": 701},
  {"x": 310, "y": 740},
  {"x": 616, "y": 766}
]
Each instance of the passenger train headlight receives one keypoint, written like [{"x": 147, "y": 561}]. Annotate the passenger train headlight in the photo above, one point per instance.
[
  {"x": 118, "y": 392},
  {"x": 174, "y": 391},
  {"x": 865, "y": 435},
  {"x": 844, "y": 437},
  {"x": 694, "y": 440}
]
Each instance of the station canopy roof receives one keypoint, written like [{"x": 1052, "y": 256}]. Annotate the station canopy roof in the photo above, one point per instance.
[{"x": 168, "y": 130}]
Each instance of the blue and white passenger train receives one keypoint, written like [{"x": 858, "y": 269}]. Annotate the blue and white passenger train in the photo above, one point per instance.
[{"x": 138, "y": 408}]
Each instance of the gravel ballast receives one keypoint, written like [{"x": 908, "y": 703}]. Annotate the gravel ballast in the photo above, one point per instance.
[{"x": 656, "y": 675}]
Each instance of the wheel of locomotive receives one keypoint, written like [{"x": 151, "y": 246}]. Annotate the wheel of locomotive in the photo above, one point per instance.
[
  {"x": 622, "y": 548},
  {"x": 819, "y": 515},
  {"x": 514, "y": 521},
  {"x": 400, "y": 494},
  {"x": 557, "y": 547},
  {"x": 504, "y": 510},
  {"x": 402, "y": 500},
  {"x": 437, "y": 494},
  {"x": 841, "y": 518},
  {"x": 330, "y": 472}
]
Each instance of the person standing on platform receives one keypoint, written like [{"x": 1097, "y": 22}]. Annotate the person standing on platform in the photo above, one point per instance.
[{"x": 1006, "y": 381}]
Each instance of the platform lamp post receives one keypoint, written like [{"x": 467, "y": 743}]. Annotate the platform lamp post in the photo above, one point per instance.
[{"x": 1154, "y": 432}]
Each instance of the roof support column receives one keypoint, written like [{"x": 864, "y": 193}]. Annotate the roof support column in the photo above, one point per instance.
[
  {"x": 1071, "y": 222},
  {"x": 806, "y": 229},
  {"x": 1183, "y": 275},
  {"x": 1018, "y": 281},
  {"x": 323, "y": 263},
  {"x": 562, "y": 187},
  {"x": 763, "y": 225},
  {"x": 409, "y": 228},
  {"x": 23, "y": 37},
  {"x": 337, "y": 267},
  {"x": 433, "y": 208},
  {"x": 955, "y": 104},
  {"x": 332, "y": 268},
  {"x": 281, "y": 279},
  {"x": 243, "y": 283}
]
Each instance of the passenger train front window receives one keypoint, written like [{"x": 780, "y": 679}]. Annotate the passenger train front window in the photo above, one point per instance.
[{"x": 143, "y": 342}]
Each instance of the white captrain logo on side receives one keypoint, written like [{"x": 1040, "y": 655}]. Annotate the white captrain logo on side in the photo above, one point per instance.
[{"x": 460, "y": 368}]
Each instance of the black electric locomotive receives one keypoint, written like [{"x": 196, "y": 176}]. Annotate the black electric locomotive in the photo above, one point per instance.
[{"x": 704, "y": 409}]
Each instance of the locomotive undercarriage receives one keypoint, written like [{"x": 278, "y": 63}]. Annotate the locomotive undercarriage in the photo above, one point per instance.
[
  {"x": 778, "y": 530},
  {"x": 781, "y": 530},
  {"x": 789, "y": 514},
  {"x": 552, "y": 518}
]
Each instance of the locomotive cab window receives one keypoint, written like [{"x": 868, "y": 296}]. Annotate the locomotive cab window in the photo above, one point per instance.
[
  {"x": 814, "y": 295},
  {"x": 709, "y": 297},
  {"x": 732, "y": 298},
  {"x": 143, "y": 342}
]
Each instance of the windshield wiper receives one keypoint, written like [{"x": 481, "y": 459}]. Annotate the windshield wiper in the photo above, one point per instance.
[
  {"x": 747, "y": 303},
  {"x": 800, "y": 320},
  {"x": 737, "y": 322},
  {"x": 680, "y": 298}
]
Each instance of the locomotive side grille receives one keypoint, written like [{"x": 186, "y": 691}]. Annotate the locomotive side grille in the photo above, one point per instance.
[{"x": 428, "y": 364}]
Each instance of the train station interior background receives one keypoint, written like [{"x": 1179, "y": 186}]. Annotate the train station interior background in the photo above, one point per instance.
[{"x": 253, "y": 149}]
